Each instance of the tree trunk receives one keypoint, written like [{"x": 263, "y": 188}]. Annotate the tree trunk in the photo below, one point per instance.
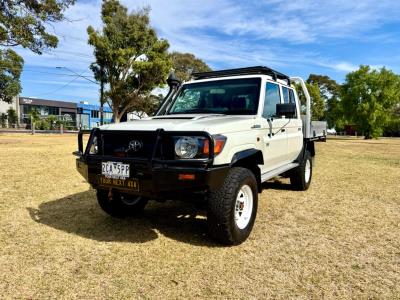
[
  {"x": 367, "y": 136},
  {"x": 117, "y": 117}
]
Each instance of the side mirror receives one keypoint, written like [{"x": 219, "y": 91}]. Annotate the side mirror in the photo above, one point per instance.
[{"x": 286, "y": 109}]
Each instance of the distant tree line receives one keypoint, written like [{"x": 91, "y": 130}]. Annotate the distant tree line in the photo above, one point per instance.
[{"x": 369, "y": 100}]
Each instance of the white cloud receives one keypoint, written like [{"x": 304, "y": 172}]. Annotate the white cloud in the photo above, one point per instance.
[
  {"x": 224, "y": 33},
  {"x": 341, "y": 66}
]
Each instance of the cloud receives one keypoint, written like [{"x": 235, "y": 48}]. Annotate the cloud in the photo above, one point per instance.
[
  {"x": 284, "y": 34},
  {"x": 341, "y": 66}
]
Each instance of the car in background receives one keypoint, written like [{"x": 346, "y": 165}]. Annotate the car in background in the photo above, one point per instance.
[{"x": 331, "y": 131}]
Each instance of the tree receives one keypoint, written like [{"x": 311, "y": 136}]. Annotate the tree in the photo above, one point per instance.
[
  {"x": 185, "y": 64},
  {"x": 317, "y": 102},
  {"x": 368, "y": 96},
  {"x": 393, "y": 126},
  {"x": 11, "y": 65},
  {"x": 12, "y": 116},
  {"x": 23, "y": 23},
  {"x": 327, "y": 86},
  {"x": 3, "y": 120},
  {"x": 133, "y": 60},
  {"x": 330, "y": 92}
]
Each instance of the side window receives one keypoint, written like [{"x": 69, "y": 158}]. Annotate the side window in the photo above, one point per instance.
[
  {"x": 272, "y": 97},
  {"x": 285, "y": 92},
  {"x": 292, "y": 99},
  {"x": 288, "y": 96}
]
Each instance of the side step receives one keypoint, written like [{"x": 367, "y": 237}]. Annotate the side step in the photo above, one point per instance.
[{"x": 275, "y": 172}]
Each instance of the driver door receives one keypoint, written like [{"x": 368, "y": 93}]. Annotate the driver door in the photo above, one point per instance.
[{"x": 275, "y": 136}]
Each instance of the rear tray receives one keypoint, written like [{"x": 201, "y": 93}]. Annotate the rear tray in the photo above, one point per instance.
[{"x": 318, "y": 130}]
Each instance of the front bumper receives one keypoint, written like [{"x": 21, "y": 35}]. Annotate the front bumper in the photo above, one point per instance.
[
  {"x": 159, "y": 181},
  {"x": 154, "y": 177}
]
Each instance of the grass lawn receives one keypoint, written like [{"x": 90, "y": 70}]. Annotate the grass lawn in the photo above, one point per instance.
[{"x": 339, "y": 239}]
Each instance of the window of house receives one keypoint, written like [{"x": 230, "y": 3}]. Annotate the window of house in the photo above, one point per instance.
[
  {"x": 94, "y": 113},
  {"x": 107, "y": 115},
  {"x": 272, "y": 97}
]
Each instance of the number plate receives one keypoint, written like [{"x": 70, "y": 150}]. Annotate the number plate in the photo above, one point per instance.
[
  {"x": 131, "y": 183},
  {"x": 115, "y": 170}
]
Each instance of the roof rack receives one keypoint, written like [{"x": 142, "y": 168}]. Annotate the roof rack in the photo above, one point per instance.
[{"x": 242, "y": 71}]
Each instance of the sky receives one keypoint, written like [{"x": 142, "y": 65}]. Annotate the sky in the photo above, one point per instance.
[{"x": 295, "y": 37}]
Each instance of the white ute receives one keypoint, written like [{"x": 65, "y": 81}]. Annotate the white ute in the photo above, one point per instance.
[{"x": 216, "y": 139}]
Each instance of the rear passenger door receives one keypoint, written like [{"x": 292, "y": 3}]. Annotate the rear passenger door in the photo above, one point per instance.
[
  {"x": 275, "y": 139},
  {"x": 294, "y": 127}
]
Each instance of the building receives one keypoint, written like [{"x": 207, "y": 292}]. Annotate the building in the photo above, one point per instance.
[
  {"x": 81, "y": 115},
  {"x": 89, "y": 115},
  {"x": 62, "y": 110},
  {"x": 4, "y": 107}
]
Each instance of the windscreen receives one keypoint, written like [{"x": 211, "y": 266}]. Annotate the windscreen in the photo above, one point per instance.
[{"x": 232, "y": 97}]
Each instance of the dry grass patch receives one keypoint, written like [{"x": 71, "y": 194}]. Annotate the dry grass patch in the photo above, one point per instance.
[{"x": 340, "y": 239}]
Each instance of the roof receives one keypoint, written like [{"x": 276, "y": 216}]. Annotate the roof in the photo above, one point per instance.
[
  {"x": 94, "y": 107},
  {"x": 242, "y": 71},
  {"x": 53, "y": 103}
]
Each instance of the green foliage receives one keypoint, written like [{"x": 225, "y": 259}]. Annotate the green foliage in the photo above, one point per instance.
[
  {"x": 368, "y": 98},
  {"x": 52, "y": 120},
  {"x": 185, "y": 64},
  {"x": 129, "y": 57},
  {"x": 334, "y": 114},
  {"x": 11, "y": 65},
  {"x": 42, "y": 124},
  {"x": 34, "y": 115},
  {"x": 317, "y": 102},
  {"x": 12, "y": 116},
  {"x": 327, "y": 86},
  {"x": 330, "y": 93},
  {"x": 24, "y": 23},
  {"x": 393, "y": 126},
  {"x": 3, "y": 120}
]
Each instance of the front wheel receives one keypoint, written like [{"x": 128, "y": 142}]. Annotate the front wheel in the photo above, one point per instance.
[
  {"x": 300, "y": 177},
  {"x": 120, "y": 205},
  {"x": 232, "y": 209}
]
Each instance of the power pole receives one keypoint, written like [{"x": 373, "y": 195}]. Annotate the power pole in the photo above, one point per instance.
[{"x": 101, "y": 95}]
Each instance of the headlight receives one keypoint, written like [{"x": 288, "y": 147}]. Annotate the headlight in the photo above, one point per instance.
[
  {"x": 94, "y": 148},
  {"x": 186, "y": 147}
]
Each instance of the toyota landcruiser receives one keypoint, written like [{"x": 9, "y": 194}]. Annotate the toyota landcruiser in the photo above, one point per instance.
[{"x": 216, "y": 138}]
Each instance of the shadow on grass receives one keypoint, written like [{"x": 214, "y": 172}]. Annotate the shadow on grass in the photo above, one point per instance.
[
  {"x": 80, "y": 214},
  {"x": 277, "y": 185}
]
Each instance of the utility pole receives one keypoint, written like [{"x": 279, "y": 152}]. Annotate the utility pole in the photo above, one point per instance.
[{"x": 101, "y": 95}]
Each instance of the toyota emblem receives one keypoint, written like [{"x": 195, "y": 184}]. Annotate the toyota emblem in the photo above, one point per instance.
[{"x": 135, "y": 145}]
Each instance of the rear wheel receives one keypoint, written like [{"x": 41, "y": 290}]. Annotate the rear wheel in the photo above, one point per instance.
[
  {"x": 119, "y": 204},
  {"x": 232, "y": 209},
  {"x": 300, "y": 177}
]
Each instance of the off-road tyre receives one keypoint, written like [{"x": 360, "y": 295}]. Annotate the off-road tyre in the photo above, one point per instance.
[
  {"x": 300, "y": 180},
  {"x": 120, "y": 205},
  {"x": 222, "y": 204}
]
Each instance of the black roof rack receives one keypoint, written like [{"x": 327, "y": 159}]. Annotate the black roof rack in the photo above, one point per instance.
[{"x": 242, "y": 71}]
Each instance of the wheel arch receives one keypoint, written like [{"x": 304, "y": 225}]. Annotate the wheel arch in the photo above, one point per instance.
[{"x": 249, "y": 159}]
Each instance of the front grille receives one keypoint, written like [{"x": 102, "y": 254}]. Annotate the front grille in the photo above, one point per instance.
[{"x": 128, "y": 144}]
